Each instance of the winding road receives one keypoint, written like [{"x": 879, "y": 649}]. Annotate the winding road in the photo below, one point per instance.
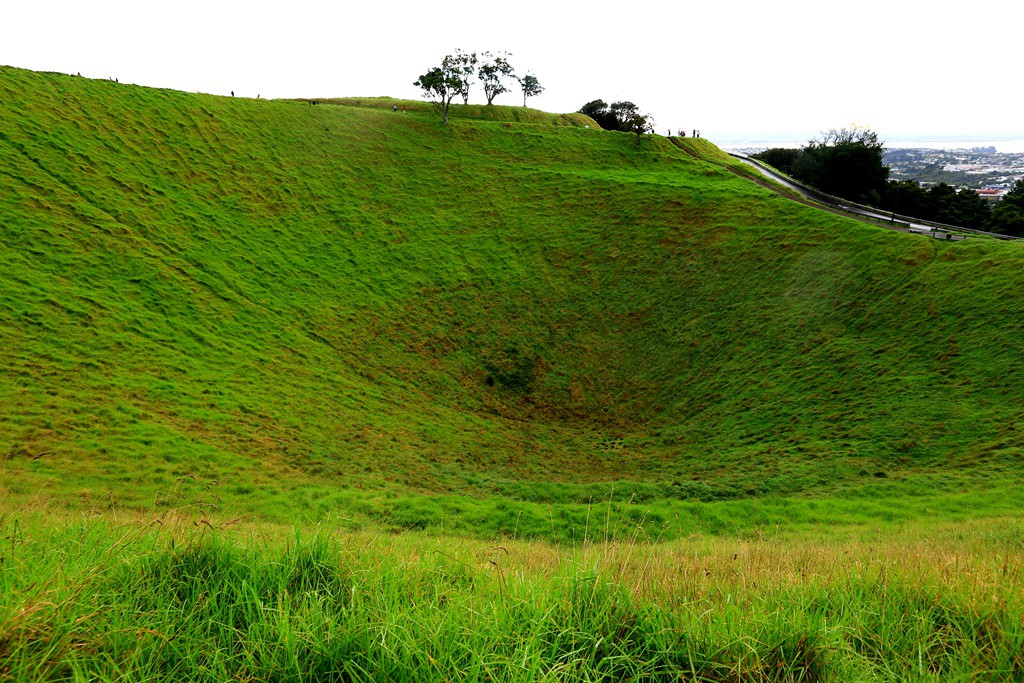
[{"x": 893, "y": 220}]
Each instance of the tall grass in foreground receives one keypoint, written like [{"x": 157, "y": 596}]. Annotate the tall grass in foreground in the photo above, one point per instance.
[{"x": 103, "y": 601}]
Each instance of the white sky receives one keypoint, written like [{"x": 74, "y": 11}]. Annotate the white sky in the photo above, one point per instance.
[{"x": 733, "y": 68}]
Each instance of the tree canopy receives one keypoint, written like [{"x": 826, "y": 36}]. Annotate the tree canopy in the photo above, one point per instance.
[
  {"x": 459, "y": 71},
  {"x": 639, "y": 125},
  {"x": 848, "y": 163},
  {"x": 616, "y": 116},
  {"x": 1008, "y": 214},
  {"x": 845, "y": 162},
  {"x": 621, "y": 116},
  {"x": 531, "y": 87},
  {"x": 466, "y": 63},
  {"x": 495, "y": 73},
  {"x": 780, "y": 158},
  {"x": 442, "y": 83}
]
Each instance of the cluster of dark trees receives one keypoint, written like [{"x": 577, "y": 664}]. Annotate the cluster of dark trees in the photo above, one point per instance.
[
  {"x": 941, "y": 202},
  {"x": 458, "y": 72},
  {"x": 848, "y": 164},
  {"x": 622, "y": 116},
  {"x": 1008, "y": 214},
  {"x": 845, "y": 163}
]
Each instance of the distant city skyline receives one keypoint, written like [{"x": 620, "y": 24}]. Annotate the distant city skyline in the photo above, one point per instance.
[
  {"x": 1008, "y": 144},
  {"x": 783, "y": 70}
]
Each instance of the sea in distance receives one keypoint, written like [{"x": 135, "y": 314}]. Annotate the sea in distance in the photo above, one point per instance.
[{"x": 1004, "y": 146}]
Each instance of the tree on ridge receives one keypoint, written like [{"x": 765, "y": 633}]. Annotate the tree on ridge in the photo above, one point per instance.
[
  {"x": 442, "y": 83},
  {"x": 467, "y": 63},
  {"x": 531, "y": 87},
  {"x": 639, "y": 125},
  {"x": 494, "y": 73},
  {"x": 622, "y": 116}
]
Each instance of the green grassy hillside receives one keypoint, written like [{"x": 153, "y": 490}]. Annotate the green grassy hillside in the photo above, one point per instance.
[
  {"x": 465, "y": 111},
  {"x": 285, "y": 309}
]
